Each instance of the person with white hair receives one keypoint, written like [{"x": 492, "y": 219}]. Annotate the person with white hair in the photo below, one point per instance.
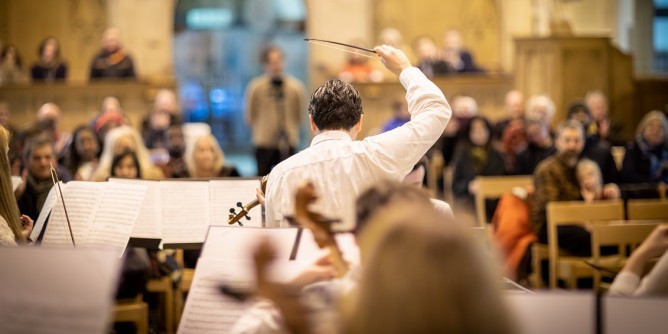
[
  {"x": 540, "y": 107},
  {"x": 112, "y": 62},
  {"x": 48, "y": 117}
]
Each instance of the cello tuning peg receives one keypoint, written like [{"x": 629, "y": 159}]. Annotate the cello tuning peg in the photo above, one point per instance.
[
  {"x": 240, "y": 205},
  {"x": 232, "y": 211},
  {"x": 248, "y": 218}
]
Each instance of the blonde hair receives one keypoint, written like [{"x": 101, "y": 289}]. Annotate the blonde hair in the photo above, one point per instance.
[
  {"x": 585, "y": 164},
  {"x": 423, "y": 276},
  {"x": 9, "y": 210},
  {"x": 190, "y": 154},
  {"x": 148, "y": 170}
]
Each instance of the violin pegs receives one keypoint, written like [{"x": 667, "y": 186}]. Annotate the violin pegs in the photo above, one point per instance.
[
  {"x": 232, "y": 211},
  {"x": 240, "y": 205},
  {"x": 248, "y": 218}
]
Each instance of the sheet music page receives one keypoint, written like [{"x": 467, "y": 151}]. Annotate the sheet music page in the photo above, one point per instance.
[
  {"x": 225, "y": 194},
  {"x": 16, "y": 182},
  {"x": 81, "y": 200},
  {"x": 238, "y": 243},
  {"x": 49, "y": 203},
  {"x": 235, "y": 242},
  {"x": 207, "y": 310},
  {"x": 62, "y": 290},
  {"x": 148, "y": 224},
  {"x": 186, "y": 213},
  {"x": 116, "y": 215}
]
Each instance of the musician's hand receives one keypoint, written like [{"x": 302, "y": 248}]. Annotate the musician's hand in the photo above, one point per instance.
[
  {"x": 27, "y": 226},
  {"x": 394, "y": 59},
  {"x": 321, "y": 270},
  {"x": 260, "y": 195}
]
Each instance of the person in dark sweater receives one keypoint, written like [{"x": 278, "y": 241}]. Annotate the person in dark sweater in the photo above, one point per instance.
[
  {"x": 112, "y": 62},
  {"x": 50, "y": 67},
  {"x": 646, "y": 158}
]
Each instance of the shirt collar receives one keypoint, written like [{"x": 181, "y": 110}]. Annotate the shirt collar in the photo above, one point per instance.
[{"x": 330, "y": 135}]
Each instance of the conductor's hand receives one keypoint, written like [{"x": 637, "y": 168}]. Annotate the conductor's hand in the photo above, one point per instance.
[{"x": 394, "y": 59}]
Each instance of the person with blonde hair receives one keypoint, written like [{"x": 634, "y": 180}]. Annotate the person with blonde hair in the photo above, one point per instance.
[
  {"x": 121, "y": 139},
  {"x": 14, "y": 229},
  {"x": 205, "y": 159},
  {"x": 422, "y": 276}
]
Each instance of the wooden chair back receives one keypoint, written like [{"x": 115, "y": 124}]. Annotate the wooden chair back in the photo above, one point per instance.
[
  {"x": 575, "y": 213},
  {"x": 134, "y": 311},
  {"x": 644, "y": 209},
  {"x": 493, "y": 187}
]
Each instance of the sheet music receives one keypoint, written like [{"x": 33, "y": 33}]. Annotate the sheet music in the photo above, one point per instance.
[
  {"x": 16, "y": 182},
  {"x": 235, "y": 242},
  {"x": 207, "y": 310},
  {"x": 81, "y": 199},
  {"x": 225, "y": 194},
  {"x": 61, "y": 291},
  {"x": 49, "y": 203},
  {"x": 186, "y": 213},
  {"x": 553, "y": 312},
  {"x": 645, "y": 315},
  {"x": 116, "y": 215},
  {"x": 148, "y": 224}
]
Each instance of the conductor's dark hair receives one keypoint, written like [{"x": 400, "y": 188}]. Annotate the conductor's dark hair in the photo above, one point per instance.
[
  {"x": 336, "y": 105},
  {"x": 264, "y": 56}
]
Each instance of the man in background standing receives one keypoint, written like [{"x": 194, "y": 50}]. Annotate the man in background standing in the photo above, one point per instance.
[{"x": 275, "y": 105}]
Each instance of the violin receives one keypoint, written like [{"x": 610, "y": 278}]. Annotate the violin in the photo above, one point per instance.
[
  {"x": 320, "y": 226},
  {"x": 235, "y": 217}
]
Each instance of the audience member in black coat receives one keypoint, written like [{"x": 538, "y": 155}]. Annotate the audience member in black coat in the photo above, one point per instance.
[
  {"x": 539, "y": 147},
  {"x": 646, "y": 158}
]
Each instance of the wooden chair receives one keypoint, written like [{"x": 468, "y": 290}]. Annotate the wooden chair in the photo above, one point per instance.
[
  {"x": 567, "y": 267},
  {"x": 620, "y": 235},
  {"x": 165, "y": 287},
  {"x": 434, "y": 169},
  {"x": 493, "y": 187},
  {"x": 644, "y": 209},
  {"x": 134, "y": 311}
]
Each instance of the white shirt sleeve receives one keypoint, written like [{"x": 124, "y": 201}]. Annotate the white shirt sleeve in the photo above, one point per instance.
[
  {"x": 654, "y": 283},
  {"x": 397, "y": 151}
]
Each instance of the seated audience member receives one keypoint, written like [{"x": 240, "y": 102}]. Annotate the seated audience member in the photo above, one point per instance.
[
  {"x": 323, "y": 292},
  {"x": 605, "y": 129},
  {"x": 49, "y": 67},
  {"x": 444, "y": 285},
  {"x": 14, "y": 228},
  {"x": 49, "y": 115},
  {"x": 417, "y": 177},
  {"x": 401, "y": 116},
  {"x": 205, "y": 159},
  {"x": 81, "y": 160},
  {"x": 630, "y": 280},
  {"x": 357, "y": 67},
  {"x": 112, "y": 62},
  {"x": 555, "y": 179},
  {"x": 164, "y": 114},
  {"x": 118, "y": 140},
  {"x": 475, "y": 156},
  {"x": 428, "y": 60},
  {"x": 125, "y": 165},
  {"x": 39, "y": 156},
  {"x": 111, "y": 116},
  {"x": 539, "y": 146},
  {"x": 463, "y": 109},
  {"x": 646, "y": 158},
  {"x": 594, "y": 150},
  {"x": 458, "y": 59},
  {"x": 513, "y": 141},
  {"x": 514, "y": 107},
  {"x": 590, "y": 180},
  {"x": 540, "y": 107},
  {"x": 11, "y": 66},
  {"x": 176, "y": 147}
]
